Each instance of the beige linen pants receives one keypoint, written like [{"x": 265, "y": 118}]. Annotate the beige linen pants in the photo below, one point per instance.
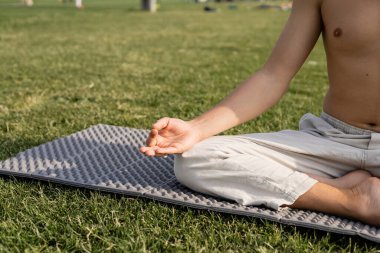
[{"x": 271, "y": 168}]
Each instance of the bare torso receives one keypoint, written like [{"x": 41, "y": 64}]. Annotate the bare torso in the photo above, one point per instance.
[{"x": 351, "y": 36}]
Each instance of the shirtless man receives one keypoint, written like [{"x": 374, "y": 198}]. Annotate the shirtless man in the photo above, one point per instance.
[{"x": 329, "y": 179}]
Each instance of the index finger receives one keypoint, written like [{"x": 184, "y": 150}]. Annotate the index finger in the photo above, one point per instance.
[
  {"x": 152, "y": 139},
  {"x": 161, "y": 123}
]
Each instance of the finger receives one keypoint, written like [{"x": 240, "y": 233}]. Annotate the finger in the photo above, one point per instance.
[
  {"x": 161, "y": 123},
  {"x": 153, "y": 133},
  {"x": 169, "y": 150},
  {"x": 150, "y": 152},
  {"x": 144, "y": 149},
  {"x": 161, "y": 155},
  {"x": 152, "y": 139}
]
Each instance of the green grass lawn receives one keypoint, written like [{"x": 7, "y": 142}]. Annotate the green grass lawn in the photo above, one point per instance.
[{"x": 63, "y": 70}]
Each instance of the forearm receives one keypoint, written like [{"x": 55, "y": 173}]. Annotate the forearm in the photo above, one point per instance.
[{"x": 254, "y": 96}]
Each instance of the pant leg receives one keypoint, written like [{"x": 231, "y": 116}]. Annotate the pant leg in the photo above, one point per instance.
[
  {"x": 264, "y": 168},
  {"x": 372, "y": 155},
  {"x": 236, "y": 168}
]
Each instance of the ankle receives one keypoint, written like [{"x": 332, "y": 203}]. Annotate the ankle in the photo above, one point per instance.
[
  {"x": 350, "y": 202},
  {"x": 359, "y": 200}
]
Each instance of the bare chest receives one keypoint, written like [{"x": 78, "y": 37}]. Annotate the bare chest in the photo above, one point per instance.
[{"x": 351, "y": 24}]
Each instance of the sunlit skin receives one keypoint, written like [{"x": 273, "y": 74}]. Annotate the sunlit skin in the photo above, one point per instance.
[{"x": 351, "y": 36}]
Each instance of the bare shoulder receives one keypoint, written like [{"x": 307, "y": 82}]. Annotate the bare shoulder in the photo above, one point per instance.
[{"x": 308, "y": 11}]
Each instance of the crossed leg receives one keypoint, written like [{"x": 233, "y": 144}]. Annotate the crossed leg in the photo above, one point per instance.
[
  {"x": 355, "y": 195},
  {"x": 238, "y": 169}
]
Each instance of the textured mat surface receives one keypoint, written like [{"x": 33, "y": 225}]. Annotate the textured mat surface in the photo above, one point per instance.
[{"x": 106, "y": 158}]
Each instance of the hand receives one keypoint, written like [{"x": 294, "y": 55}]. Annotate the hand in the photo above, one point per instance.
[{"x": 170, "y": 136}]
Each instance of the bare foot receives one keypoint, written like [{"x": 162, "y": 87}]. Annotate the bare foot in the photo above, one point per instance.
[
  {"x": 361, "y": 202},
  {"x": 347, "y": 181},
  {"x": 367, "y": 200}
]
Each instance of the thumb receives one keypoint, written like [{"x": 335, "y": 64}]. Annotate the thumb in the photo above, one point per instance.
[{"x": 169, "y": 150}]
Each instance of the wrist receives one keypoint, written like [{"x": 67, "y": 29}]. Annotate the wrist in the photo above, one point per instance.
[{"x": 198, "y": 129}]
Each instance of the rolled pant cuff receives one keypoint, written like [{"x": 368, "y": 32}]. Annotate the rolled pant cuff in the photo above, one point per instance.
[{"x": 295, "y": 193}]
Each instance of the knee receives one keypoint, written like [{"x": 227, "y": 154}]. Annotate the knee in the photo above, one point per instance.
[
  {"x": 186, "y": 165},
  {"x": 182, "y": 167},
  {"x": 192, "y": 164}
]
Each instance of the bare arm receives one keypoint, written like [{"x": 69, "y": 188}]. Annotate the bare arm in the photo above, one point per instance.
[
  {"x": 254, "y": 96},
  {"x": 265, "y": 88}
]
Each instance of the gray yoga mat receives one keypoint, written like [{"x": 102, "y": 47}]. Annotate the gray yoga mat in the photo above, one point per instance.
[{"x": 106, "y": 158}]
